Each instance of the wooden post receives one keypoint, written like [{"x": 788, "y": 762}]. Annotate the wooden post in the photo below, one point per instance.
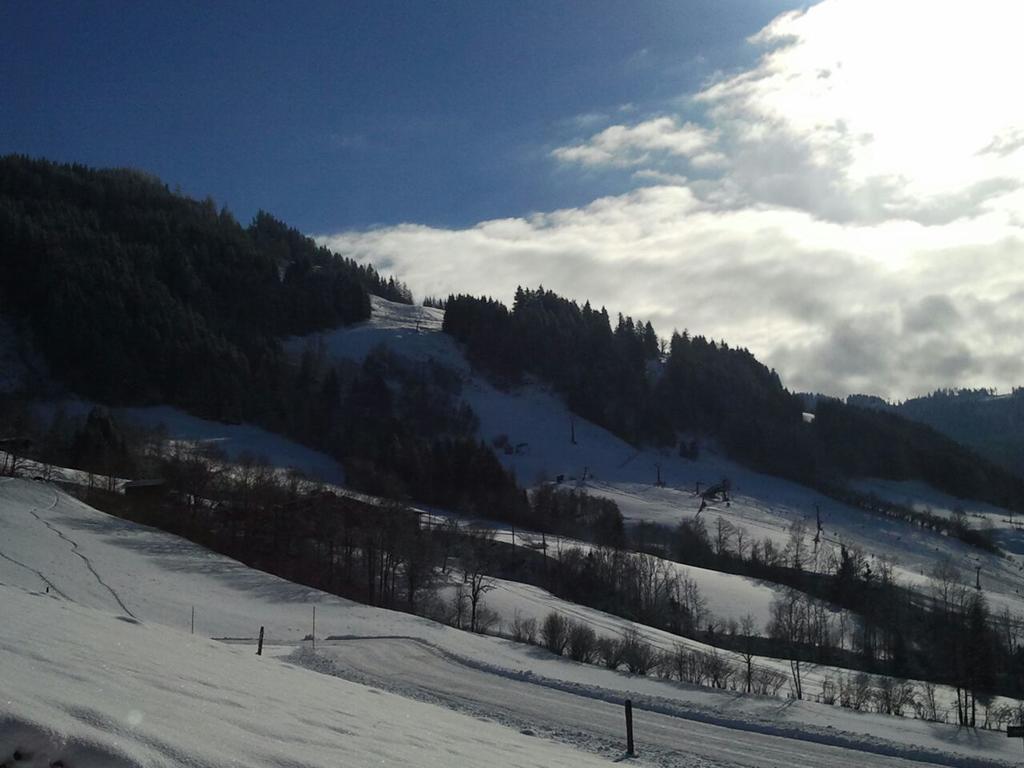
[
  {"x": 193, "y": 619},
  {"x": 259, "y": 645},
  {"x": 314, "y": 627},
  {"x": 629, "y": 729}
]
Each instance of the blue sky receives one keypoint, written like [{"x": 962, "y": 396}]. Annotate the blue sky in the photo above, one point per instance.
[
  {"x": 836, "y": 185},
  {"x": 349, "y": 114}
]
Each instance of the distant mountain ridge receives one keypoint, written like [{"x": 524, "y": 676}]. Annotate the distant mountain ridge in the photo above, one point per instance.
[{"x": 989, "y": 423}]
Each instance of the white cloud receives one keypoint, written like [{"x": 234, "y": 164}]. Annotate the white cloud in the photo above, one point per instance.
[
  {"x": 660, "y": 177},
  {"x": 859, "y": 223},
  {"x": 621, "y": 145},
  {"x": 886, "y": 109},
  {"x": 835, "y": 307}
]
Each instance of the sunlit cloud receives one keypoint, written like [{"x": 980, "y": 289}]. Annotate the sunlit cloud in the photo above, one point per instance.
[
  {"x": 900, "y": 109},
  {"x": 621, "y": 145},
  {"x": 851, "y": 208}
]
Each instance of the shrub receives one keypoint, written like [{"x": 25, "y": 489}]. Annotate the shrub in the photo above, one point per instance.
[
  {"x": 524, "y": 630},
  {"x": 582, "y": 642},
  {"x": 609, "y": 652},
  {"x": 554, "y": 633},
  {"x": 638, "y": 654}
]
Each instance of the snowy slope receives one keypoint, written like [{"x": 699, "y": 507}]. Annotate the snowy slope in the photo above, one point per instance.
[
  {"x": 94, "y": 563},
  {"x": 513, "y": 600},
  {"x": 728, "y": 596},
  {"x": 49, "y": 540},
  {"x": 235, "y": 440},
  {"x": 96, "y": 690},
  {"x": 766, "y": 506},
  {"x": 413, "y": 331}
]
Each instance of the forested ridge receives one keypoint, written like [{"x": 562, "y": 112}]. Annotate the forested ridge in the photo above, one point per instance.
[
  {"x": 134, "y": 294},
  {"x": 651, "y": 392}
]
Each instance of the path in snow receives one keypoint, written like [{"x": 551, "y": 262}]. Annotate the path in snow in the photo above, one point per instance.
[
  {"x": 49, "y": 584},
  {"x": 418, "y": 670},
  {"x": 42, "y": 577},
  {"x": 77, "y": 553}
]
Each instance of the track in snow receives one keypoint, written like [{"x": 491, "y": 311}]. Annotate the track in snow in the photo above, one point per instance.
[
  {"x": 29, "y": 568},
  {"x": 415, "y": 669},
  {"x": 75, "y": 551}
]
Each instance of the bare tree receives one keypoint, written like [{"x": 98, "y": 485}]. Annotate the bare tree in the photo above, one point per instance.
[
  {"x": 789, "y": 625},
  {"x": 893, "y": 696},
  {"x": 475, "y": 561},
  {"x": 609, "y": 652},
  {"x": 742, "y": 541},
  {"x": 796, "y": 548},
  {"x": 719, "y": 669},
  {"x": 724, "y": 531},
  {"x": 748, "y": 630},
  {"x": 927, "y": 706},
  {"x": 767, "y": 681}
]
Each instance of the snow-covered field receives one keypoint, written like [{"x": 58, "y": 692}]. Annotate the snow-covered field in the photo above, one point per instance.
[
  {"x": 123, "y": 680},
  {"x": 84, "y": 688}
]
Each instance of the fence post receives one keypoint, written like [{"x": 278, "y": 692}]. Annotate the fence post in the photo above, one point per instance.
[
  {"x": 259, "y": 646},
  {"x": 314, "y": 627},
  {"x": 193, "y": 619},
  {"x": 629, "y": 729}
]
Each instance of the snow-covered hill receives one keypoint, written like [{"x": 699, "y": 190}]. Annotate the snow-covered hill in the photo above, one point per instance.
[
  {"x": 116, "y": 619},
  {"x": 63, "y": 563},
  {"x": 540, "y": 430}
]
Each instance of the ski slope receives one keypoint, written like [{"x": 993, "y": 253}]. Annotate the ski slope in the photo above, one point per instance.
[
  {"x": 538, "y": 424},
  {"x": 409, "y": 330}
]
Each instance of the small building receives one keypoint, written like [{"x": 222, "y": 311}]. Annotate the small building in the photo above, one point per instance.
[{"x": 153, "y": 488}]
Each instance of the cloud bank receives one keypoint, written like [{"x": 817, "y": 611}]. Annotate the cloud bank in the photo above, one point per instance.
[{"x": 851, "y": 208}]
